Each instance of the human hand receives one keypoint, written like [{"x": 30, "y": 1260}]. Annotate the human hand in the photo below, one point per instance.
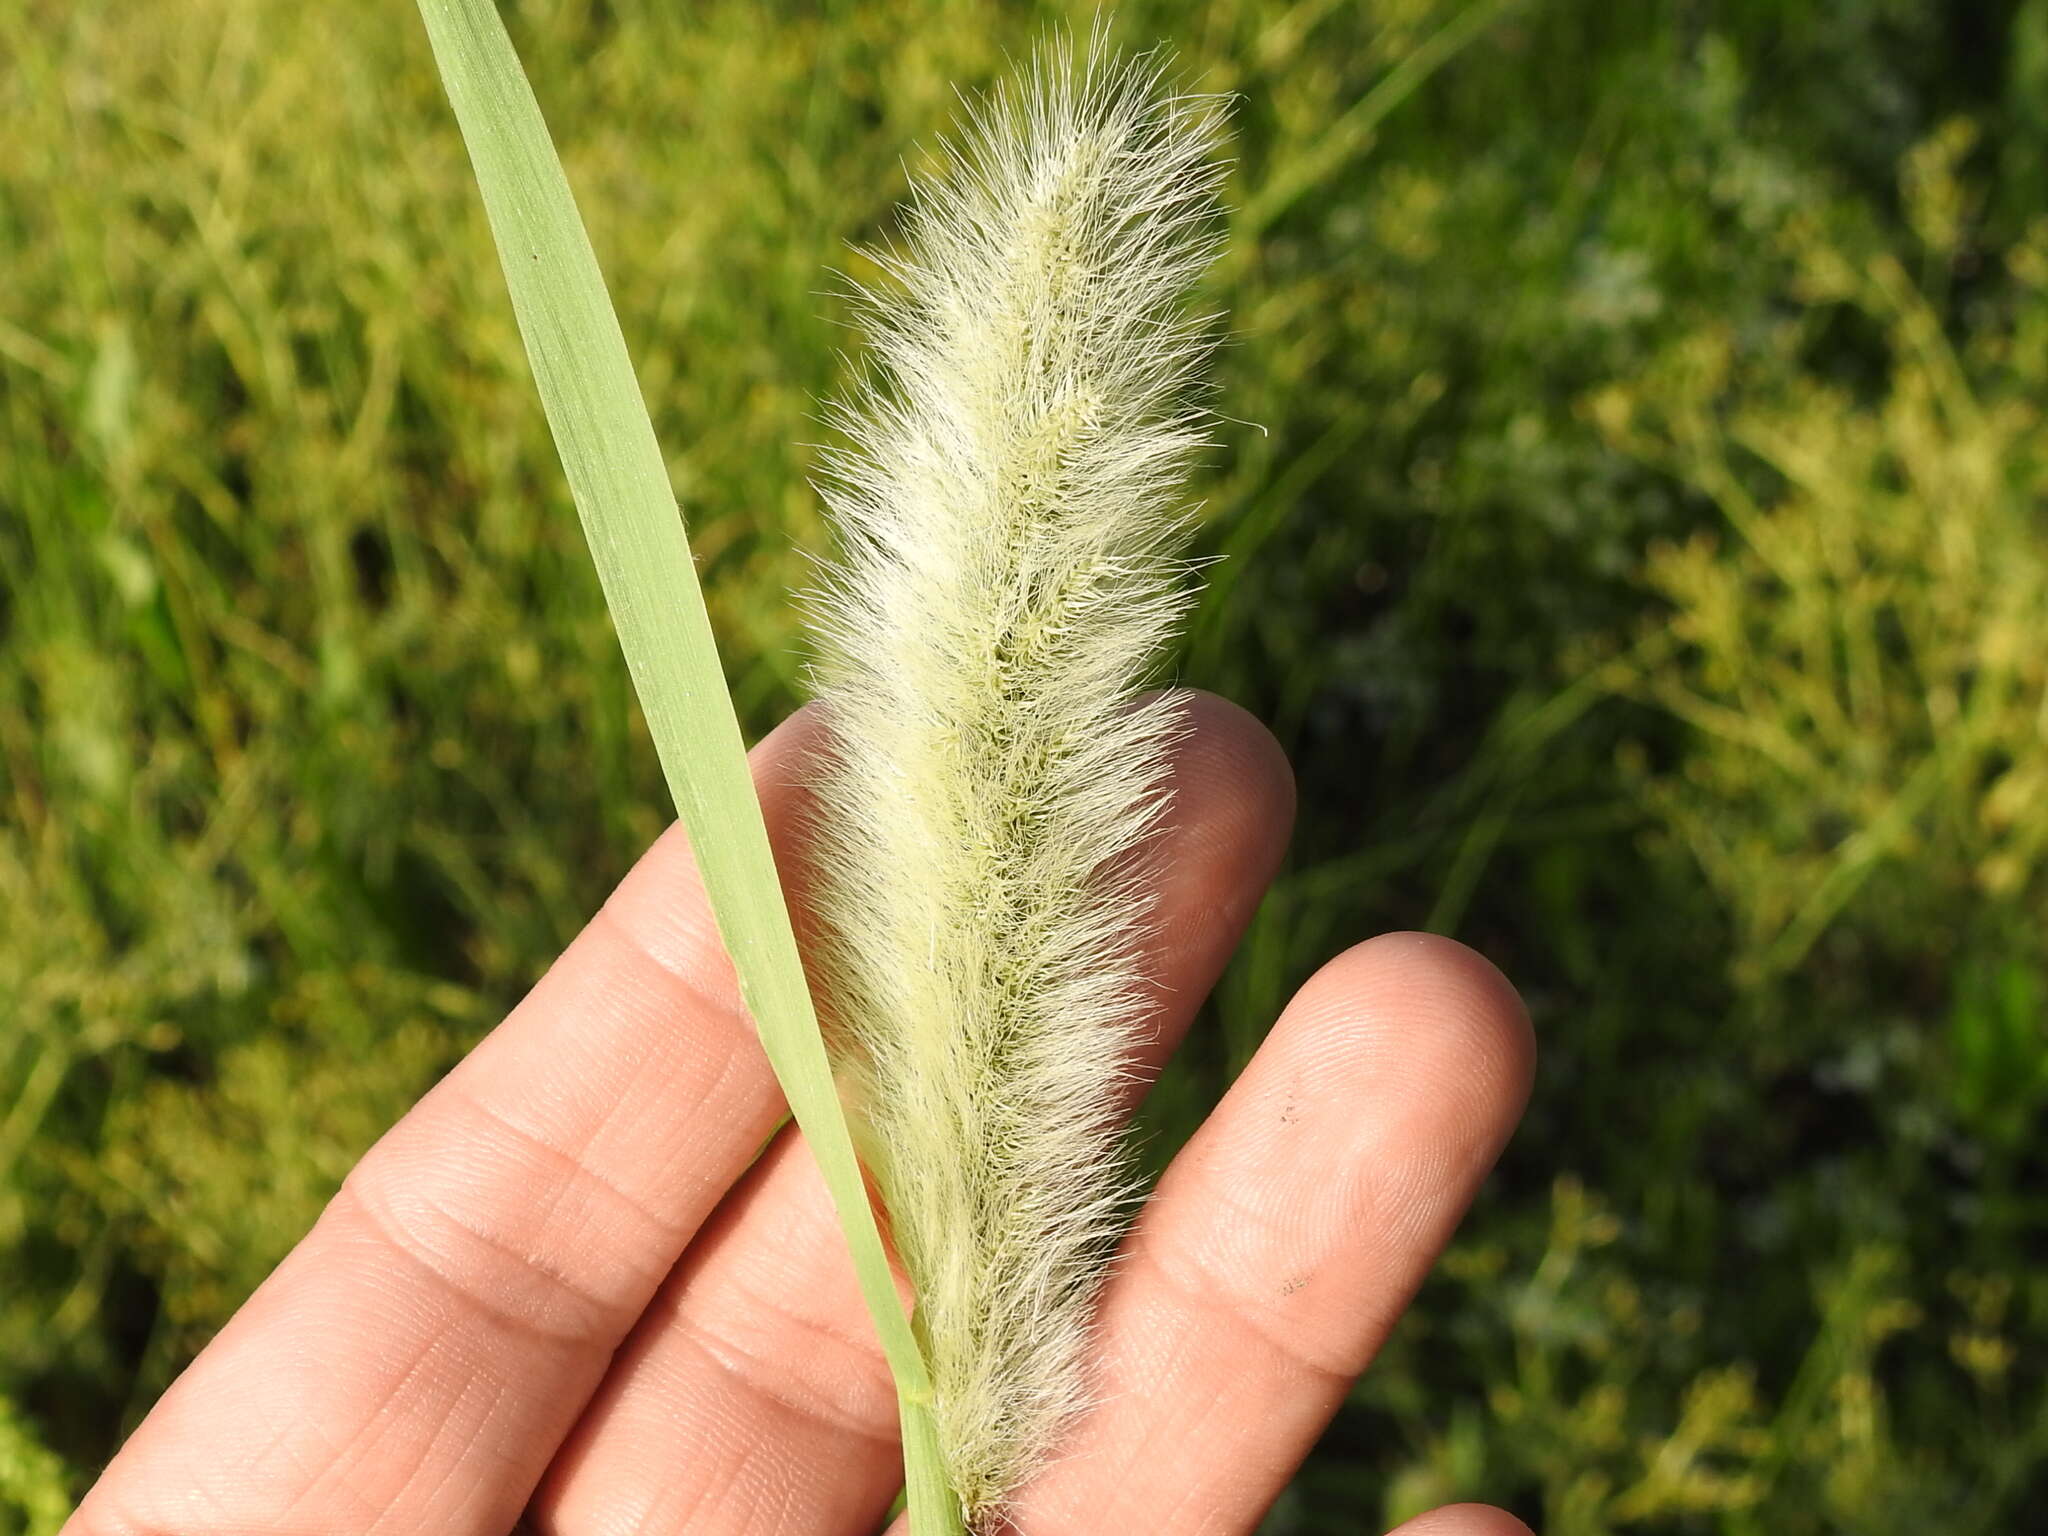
[{"x": 565, "y": 1287}]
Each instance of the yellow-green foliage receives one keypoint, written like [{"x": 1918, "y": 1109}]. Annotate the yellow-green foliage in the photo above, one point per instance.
[
  {"x": 1583, "y": 1402},
  {"x": 314, "y": 746},
  {"x": 1862, "y": 647},
  {"x": 1010, "y": 510}
]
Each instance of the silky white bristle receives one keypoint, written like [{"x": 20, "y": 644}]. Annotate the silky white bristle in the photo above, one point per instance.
[{"x": 1011, "y": 519}]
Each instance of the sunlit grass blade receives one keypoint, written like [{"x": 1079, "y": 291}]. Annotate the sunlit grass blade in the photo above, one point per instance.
[{"x": 621, "y": 488}]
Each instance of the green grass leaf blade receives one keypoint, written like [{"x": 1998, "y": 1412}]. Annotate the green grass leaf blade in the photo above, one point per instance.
[{"x": 620, "y": 484}]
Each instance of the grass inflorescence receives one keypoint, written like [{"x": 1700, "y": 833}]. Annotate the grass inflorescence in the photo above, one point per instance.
[{"x": 1011, "y": 515}]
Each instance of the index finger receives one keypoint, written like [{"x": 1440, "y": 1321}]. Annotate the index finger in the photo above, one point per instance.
[{"x": 414, "y": 1362}]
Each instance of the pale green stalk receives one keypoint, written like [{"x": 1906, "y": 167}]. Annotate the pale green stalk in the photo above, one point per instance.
[
  {"x": 620, "y": 484},
  {"x": 1012, "y": 515}
]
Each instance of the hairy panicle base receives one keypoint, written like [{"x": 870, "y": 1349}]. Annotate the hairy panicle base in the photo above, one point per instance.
[{"x": 1011, "y": 522}]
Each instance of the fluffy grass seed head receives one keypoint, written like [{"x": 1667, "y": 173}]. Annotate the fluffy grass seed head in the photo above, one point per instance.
[{"x": 1011, "y": 521}]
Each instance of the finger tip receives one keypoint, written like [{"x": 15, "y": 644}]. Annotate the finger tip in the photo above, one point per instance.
[
  {"x": 1468, "y": 987},
  {"x": 1463, "y": 1520},
  {"x": 1222, "y": 831},
  {"x": 1233, "y": 746},
  {"x": 1232, "y": 789},
  {"x": 1441, "y": 1011},
  {"x": 779, "y": 759}
]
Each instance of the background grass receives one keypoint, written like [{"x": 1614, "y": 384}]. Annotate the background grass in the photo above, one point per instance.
[{"x": 1641, "y": 552}]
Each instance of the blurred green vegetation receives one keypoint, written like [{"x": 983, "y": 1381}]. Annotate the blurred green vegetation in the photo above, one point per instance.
[{"x": 1640, "y": 550}]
